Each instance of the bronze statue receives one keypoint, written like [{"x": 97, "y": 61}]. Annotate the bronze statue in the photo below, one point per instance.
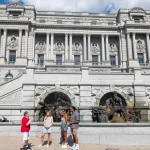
[
  {"x": 4, "y": 119},
  {"x": 134, "y": 115},
  {"x": 116, "y": 107},
  {"x": 54, "y": 108},
  {"x": 99, "y": 115}
]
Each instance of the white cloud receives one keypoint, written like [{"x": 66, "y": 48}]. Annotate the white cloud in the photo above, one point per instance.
[{"x": 85, "y": 5}]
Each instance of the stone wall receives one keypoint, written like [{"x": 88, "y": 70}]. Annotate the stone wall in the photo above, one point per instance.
[{"x": 101, "y": 134}]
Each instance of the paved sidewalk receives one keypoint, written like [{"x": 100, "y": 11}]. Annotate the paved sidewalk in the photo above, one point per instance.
[{"x": 13, "y": 143}]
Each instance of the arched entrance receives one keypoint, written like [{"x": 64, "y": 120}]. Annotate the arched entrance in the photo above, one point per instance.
[
  {"x": 55, "y": 97},
  {"x": 54, "y": 102},
  {"x": 110, "y": 95}
]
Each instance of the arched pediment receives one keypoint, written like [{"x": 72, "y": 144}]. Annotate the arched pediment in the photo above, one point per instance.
[
  {"x": 15, "y": 5},
  {"x": 137, "y": 9}
]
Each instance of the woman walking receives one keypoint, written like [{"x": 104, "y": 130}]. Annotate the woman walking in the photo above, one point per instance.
[
  {"x": 48, "y": 122},
  {"x": 64, "y": 128}
]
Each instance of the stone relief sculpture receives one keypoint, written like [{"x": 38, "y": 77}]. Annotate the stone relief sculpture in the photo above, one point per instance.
[
  {"x": 95, "y": 48},
  {"x": 13, "y": 42},
  {"x": 77, "y": 48},
  {"x": 140, "y": 45},
  {"x": 126, "y": 92},
  {"x": 137, "y": 9},
  {"x": 40, "y": 46},
  {"x": 15, "y": 5},
  {"x": 11, "y": 99},
  {"x": 59, "y": 46},
  {"x": 113, "y": 47}
]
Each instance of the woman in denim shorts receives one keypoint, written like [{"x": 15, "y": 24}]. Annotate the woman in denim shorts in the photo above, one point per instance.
[{"x": 64, "y": 128}]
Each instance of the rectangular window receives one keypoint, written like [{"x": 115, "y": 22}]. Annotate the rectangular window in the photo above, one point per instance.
[
  {"x": 141, "y": 58},
  {"x": 77, "y": 59},
  {"x": 12, "y": 56},
  {"x": 94, "y": 59},
  {"x": 58, "y": 59},
  {"x": 113, "y": 60},
  {"x": 15, "y": 13},
  {"x": 76, "y": 22},
  {"x": 59, "y": 21},
  {"x": 41, "y": 59}
]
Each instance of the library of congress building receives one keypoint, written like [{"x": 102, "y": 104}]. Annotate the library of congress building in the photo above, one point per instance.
[{"x": 72, "y": 57}]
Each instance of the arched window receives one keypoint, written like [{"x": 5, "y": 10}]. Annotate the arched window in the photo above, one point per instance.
[{"x": 9, "y": 76}]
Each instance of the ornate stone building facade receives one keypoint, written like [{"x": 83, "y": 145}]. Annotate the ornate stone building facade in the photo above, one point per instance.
[{"x": 82, "y": 55}]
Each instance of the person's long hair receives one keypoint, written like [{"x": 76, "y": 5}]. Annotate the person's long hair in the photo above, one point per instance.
[{"x": 48, "y": 114}]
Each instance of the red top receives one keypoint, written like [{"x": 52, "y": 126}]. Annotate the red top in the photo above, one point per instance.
[{"x": 24, "y": 127}]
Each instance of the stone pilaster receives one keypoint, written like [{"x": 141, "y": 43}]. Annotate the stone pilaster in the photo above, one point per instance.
[
  {"x": 47, "y": 46},
  {"x": 134, "y": 46},
  {"x": 3, "y": 57},
  {"x": 26, "y": 42},
  {"x": 148, "y": 47},
  {"x": 89, "y": 48},
  {"x": 70, "y": 47},
  {"x": 66, "y": 47},
  {"x": 85, "y": 53},
  {"x": 128, "y": 46},
  {"x": 20, "y": 43},
  {"x": 103, "y": 48},
  {"x": 107, "y": 49},
  {"x": 52, "y": 46}
]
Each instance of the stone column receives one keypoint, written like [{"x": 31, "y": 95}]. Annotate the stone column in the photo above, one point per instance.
[
  {"x": 70, "y": 46},
  {"x": 47, "y": 46},
  {"x": 33, "y": 52},
  {"x": 103, "y": 48},
  {"x": 26, "y": 43},
  {"x": 66, "y": 47},
  {"x": 128, "y": 47},
  {"x": 52, "y": 45},
  {"x": 107, "y": 49},
  {"x": 84, "y": 41},
  {"x": 4, "y": 43},
  {"x": 89, "y": 47},
  {"x": 148, "y": 48},
  {"x": 20, "y": 43},
  {"x": 134, "y": 46},
  {"x": 120, "y": 51}
]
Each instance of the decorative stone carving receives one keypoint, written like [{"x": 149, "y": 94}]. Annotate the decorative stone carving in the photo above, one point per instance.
[
  {"x": 29, "y": 14},
  {"x": 13, "y": 98},
  {"x": 126, "y": 92},
  {"x": 99, "y": 70},
  {"x": 77, "y": 48},
  {"x": 140, "y": 46},
  {"x": 66, "y": 70},
  {"x": 113, "y": 47},
  {"x": 59, "y": 46},
  {"x": 73, "y": 90},
  {"x": 137, "y": 9},
  {"x": 40, "y": 46},
  {"x": 15, "y": 5},
  {"x": 13, "y": 42},
  {"x": 95, "y": 48}
]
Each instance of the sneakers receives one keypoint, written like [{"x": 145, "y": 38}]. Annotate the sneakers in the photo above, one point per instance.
[
  {"x": 64, "y": 146},
  {"x": 40, "y": 145},
  {"x": 77, "y": 148},
  {"x": 47, "y": 145},
  {"x": 73, "y": 147}
]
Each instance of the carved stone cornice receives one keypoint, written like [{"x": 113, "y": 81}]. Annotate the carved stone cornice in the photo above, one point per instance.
[{"x": 71, "y": 26}]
